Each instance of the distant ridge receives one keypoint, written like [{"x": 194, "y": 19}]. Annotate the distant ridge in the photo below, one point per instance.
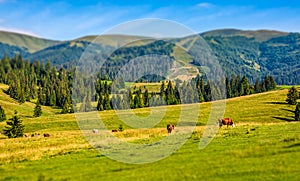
[
  {"x": 26, "y": 42},
  {"x": 259, "y": 35},
  {"x": 254, "y": 53}
]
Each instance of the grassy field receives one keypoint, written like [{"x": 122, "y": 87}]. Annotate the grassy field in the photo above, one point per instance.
[{"x": 264, "y": 145}]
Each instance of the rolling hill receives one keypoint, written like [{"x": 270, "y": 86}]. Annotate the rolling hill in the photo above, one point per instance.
[
  {"x": 251, "y": 53},
  {"x": 259, "y": 35},
  {"x": 25, "y": 42},
  {"x": 264, "y": 136}
]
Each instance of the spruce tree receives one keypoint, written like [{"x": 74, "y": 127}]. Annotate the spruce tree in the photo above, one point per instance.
[
  {"x": 100, "y": 103},
  {"x": 257, "y": 87},
  {"x": 245, "y": 86},
  {"x": 65, "y": 108},
  {"x": 201, "y": 98},
  {"x": 14, "y": 127},
  {"x": 297, "y": 112},
  {"x": 162, "y": 89},
  {"x": 292, "y": 96},
  {"x": 2, "y": 114},
  {"x": 106, "y": 102},
  {"x": 37, "y": 112},
  {"x": 146, "y": 98}
]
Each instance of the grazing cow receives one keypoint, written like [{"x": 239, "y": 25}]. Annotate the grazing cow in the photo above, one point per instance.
[
  {"x": 226, "y": 121},
  {"x": 46, "y": 135},
  {"x": 114, "y": 130},
  {"x": 95, "y": 131},
  {"x": 170, "y": 128}
]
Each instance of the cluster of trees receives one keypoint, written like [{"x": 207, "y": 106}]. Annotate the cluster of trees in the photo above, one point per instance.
[
  {"x": 172, "y": 93},
  {"x": 27, "y": 81},
  {"x": 238, "y": 86}
]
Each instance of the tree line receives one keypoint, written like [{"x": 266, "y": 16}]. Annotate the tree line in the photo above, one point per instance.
[
  {"x": 50, "y": 86},
  {"x": 196, "y": 90}
]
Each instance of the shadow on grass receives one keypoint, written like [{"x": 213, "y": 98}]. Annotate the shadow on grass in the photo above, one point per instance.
[
  {"x": 284, "y": 119},
  {"x": 287, "y": 110},
  {"x": 293, "y": 145},
  {"x": 275, "y": 102}
]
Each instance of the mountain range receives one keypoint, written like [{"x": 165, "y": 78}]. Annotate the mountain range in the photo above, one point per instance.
[{"x": 251, "y": 53}]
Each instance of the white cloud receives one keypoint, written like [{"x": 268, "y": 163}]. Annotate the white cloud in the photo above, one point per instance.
[{"x": 205, "y": 5}]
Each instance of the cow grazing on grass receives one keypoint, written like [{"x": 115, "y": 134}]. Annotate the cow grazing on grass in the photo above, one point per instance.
[
  {"x": 170, "y": 128},
  {"x": 46, "y": 135},
  {"x": 114, "y": 130},
  {"x": 226, "y": 121},
  {"x": 96, "y": 131}
]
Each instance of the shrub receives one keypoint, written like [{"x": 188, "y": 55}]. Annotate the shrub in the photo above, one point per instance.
[{"x": 121, "y": 128}]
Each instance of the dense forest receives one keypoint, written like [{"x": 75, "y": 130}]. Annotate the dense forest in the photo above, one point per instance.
[
  {"x": 67, "y": 89},
  {"x": 158, "y": 52},
  {"x": 278, "y": 56},
  {"x": 27, "y": 81}
]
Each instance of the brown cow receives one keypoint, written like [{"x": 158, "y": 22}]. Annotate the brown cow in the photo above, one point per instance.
[
  {"x": 170, "y": 128},
  {"x": 46, "y": 135},
  {"x": 114, "y": 130},
  {"x": 226, "y": 121}
]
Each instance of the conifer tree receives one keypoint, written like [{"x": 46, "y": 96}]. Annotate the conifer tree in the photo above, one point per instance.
[
  {"x": 201, "y": 97},
  {"x": 106, "y": 102},
  {"x": 2, "y": 114},
  {"x": 297, "y": 112},
  {"x": 257, "y": 87},
  {"x": 100, "y": 103},
  {"x": 162, "y": 89},
  {"x": 65, "y": 108},
  {"x": 245, "y": 86},
  {"x": 146, "y": 98},
  {"x": 37, "y": 112},
  {"x": 292, "y": 96},
  {"x": 14, "y": 127}
]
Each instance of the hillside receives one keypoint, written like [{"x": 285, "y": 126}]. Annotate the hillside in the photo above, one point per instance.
[
  {"x": 246, "y": 54},
  {"x": 115, "y": 40},
  {"x": 263, "y": 137},
  {"x": 258, "y": 35},
  {"x": 25, "y": 42},
  {"x": 251, "y": 53}
]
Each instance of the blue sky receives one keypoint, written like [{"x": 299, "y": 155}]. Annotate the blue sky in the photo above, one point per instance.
[{"x": 69, "y": 19}]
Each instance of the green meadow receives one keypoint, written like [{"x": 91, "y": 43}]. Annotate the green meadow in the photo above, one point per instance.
[{"x": 264, "y": 145}]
